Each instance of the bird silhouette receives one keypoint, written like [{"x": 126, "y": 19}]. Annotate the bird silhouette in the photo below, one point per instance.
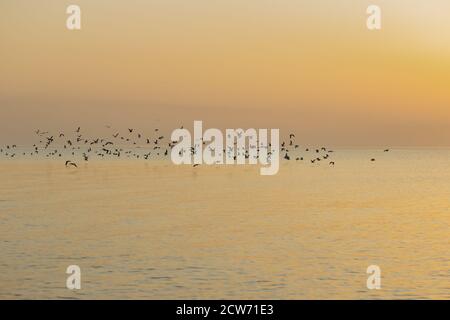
[{"x": 70, "y": 163}]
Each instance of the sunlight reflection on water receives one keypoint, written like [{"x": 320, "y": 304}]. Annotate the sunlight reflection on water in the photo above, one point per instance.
[{"x": 155, "y": 230}]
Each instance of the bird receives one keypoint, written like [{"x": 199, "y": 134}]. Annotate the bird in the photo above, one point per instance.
[
  {"x": 87, "y": 148},
  {"x": 70, "y": 163}
]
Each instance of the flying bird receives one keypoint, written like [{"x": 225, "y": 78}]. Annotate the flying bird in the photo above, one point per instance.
[{"x": 70, "y": 163}]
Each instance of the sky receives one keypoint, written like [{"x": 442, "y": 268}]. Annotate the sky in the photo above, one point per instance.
[{"x": 309, "y": 67}]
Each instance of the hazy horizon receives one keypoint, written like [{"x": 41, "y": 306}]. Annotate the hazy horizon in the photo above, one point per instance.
[{"x": 310, "y": 67}]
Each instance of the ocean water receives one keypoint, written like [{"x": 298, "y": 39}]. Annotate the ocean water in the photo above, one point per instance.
[{"x": 153, "y": 230}]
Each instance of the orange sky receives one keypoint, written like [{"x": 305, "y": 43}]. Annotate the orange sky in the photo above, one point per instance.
[{"x": 307, "y": 66}]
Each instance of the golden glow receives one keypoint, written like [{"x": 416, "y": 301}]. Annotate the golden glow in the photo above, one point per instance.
[{"x": 309, "y": 66}]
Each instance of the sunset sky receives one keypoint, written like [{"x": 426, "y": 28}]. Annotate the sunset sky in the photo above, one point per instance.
[{"x": 311, "y": 67}]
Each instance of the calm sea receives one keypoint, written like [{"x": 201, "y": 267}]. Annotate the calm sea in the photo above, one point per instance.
[{"x": 153, "y": 230}]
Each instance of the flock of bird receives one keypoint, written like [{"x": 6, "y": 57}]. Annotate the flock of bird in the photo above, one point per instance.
[{"x": 135, "y": 145}]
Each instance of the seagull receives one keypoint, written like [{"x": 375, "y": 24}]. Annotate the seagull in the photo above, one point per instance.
[{"x": 70, "y": 163}]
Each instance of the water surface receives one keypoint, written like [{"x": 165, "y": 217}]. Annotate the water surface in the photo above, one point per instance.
[{"x": 153, "y": 230}]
